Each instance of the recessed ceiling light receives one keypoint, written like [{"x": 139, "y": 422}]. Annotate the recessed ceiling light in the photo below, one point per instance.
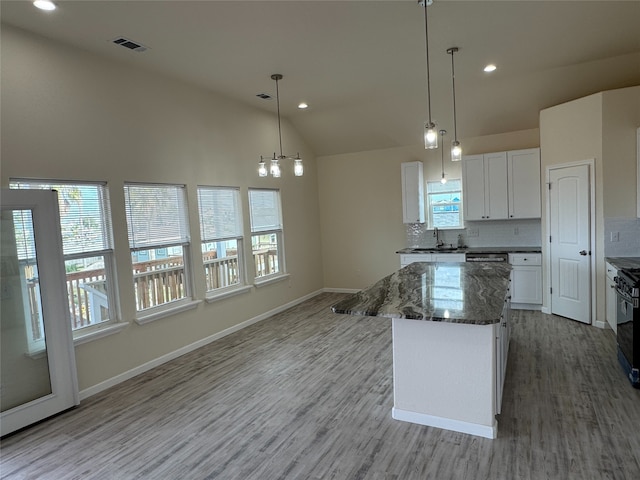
[
  {"x": 302, "y": 106},
  {"x": 490, "y": 68},
  {"x": 44, "y": 5}
]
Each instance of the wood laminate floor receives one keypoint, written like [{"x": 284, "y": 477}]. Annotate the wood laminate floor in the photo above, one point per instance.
[{"x": 307, "y": 394}]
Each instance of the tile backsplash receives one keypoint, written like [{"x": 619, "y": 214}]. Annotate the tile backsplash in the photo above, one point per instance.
[
  {"x": 495, "y": 233},
  {"x": 621, "y": 237}
]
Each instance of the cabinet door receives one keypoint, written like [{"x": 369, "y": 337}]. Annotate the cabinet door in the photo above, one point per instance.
[
  {"x": 412, "y": 192},
  {"x": 526, "y": 285},
  {"x": 611, "y": 297},
  {"x": 473, "y": 187},
  {"x": 495, "y": 186},
  {"x": 406, "y": 259},
  {"x": 524, "y": 183},
  {"x": 448, "y": 257}
]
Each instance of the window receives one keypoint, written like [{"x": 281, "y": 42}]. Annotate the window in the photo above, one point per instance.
[
  {"x": 221, "y": 235},
  {"x": 444, "y": 204},
  {"x": 87, "y": 246},
  {"x": 158, "y": 230},
  {"x": 266, "y": 232}
]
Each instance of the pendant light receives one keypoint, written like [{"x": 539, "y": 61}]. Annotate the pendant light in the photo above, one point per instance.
[
  {"x": 274, "y": 166},
  {"x": 442, "y": 134},
  {"x": 430, "y": 132},
  {"x": 456, "y": 149}
]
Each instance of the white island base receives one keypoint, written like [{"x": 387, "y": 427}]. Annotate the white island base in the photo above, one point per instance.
[{"x": 449, "y": 375}]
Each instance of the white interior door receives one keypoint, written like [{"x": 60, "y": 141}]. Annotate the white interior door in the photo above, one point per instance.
[
  {"x": 570, "y": 242},
  {"x": 37, "y": 360}
]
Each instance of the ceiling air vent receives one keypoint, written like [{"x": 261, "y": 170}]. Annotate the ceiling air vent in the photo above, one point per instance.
[
  {"x": 264, "y": 96},
  {"x": 130, "y": 44}
]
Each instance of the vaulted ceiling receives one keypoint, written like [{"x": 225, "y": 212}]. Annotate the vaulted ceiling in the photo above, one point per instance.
[{"x": 360, "y": 65}]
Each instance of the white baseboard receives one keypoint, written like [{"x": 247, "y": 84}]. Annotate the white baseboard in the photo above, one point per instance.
[
  {"x": 526, "y": 306},
  {"x": 446, "y": 423},
  {"x": 87, "y": 392},
  {"x": 341, "y": 290},
  {"x": 600, "y": 324},
  {"x": 546, "y": 310}
]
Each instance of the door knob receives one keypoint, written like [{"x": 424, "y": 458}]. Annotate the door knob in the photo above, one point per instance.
[{"x": 583, "y": 252}]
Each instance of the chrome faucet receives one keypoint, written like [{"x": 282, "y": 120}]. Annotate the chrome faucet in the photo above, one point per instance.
[{"x": 436, "y": 233}]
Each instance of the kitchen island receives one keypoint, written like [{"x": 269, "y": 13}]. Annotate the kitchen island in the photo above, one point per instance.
[{"x": 450, "y": 341}]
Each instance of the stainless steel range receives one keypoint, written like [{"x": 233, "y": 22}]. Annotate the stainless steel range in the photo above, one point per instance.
[{"x": 628, "y": 320}]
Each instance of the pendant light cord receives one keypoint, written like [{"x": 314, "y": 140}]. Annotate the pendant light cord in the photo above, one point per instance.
[
  {"x": 426, "y": 42},
  {"x": 279, "y": 128},
  {"x": 453, "y": 82}
]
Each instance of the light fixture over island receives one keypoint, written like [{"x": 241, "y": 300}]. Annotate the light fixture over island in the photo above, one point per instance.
[{"x": 450, "y": 341}]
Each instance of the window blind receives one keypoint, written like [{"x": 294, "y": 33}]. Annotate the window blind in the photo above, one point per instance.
[
  {"x": 85, "y": 216},
  {"x": 220, "y": 213},
  {"x": 264, "y": 207},
  {"x": 156, "y": 215}
]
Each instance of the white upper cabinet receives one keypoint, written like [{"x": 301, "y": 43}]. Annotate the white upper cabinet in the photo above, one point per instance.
[
  {"x": 484, "y": 180},
  {"x": 524, "y": 183},
  {"x": 502, "y": 185},
  {"x": 412, "y": 192}
]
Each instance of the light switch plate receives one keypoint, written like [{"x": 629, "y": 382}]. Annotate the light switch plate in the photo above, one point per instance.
[{"x": 615, "y": 236}]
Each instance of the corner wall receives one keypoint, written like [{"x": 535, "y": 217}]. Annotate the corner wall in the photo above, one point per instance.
[{"x": 600, "y": 127}]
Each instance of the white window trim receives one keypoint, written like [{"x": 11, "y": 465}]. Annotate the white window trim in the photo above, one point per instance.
[
  {"x": 226, "y": 292},
  {"x": 166, "y": 310},
  {"x": 99, "y": 331},
  {"x": 112, "y": 324},
  {"x": 430, "y": 225},
  {"x": 269, "y": 279}
]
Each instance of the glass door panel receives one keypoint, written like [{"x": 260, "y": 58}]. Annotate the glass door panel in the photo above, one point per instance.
[
  {"x": 24, "y": 367},
  {"x": 37, "y": 361}
]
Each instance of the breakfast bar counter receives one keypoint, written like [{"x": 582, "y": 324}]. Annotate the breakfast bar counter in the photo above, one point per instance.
[{"x": 450, "y": 341}]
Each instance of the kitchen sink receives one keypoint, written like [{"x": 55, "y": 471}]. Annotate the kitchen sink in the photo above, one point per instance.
[{"x": 435, "y": 249}]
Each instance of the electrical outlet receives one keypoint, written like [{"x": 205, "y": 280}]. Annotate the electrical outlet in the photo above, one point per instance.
[
  {"x": 615, "y": 236},
  {"x": 473, "y": 232}
]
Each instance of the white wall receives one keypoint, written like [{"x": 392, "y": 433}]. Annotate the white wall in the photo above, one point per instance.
[{"x": 70, "y": 115}]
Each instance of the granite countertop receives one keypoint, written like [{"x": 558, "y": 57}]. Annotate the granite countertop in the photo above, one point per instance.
[
  {"x": 420, "y": 250},
  {"x": 471, "y": 293},
  {"x": 624, "y": 262}
]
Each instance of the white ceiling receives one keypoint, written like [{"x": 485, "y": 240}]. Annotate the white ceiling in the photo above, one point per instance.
[{"x": 360, "y": 65}]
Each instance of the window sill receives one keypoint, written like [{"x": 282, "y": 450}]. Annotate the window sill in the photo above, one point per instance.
[
  {"x": 94, "y": 334},
  {"x": 99, "y": 332},
  {"x": 263, "y": 281},
  {"x": 226, "y": 293},
  {"x": 166, "y": 312}
]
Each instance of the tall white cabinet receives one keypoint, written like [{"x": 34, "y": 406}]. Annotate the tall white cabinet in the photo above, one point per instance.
[
  {"x": 412, "y": 192},
  {"x": 502, "y": 185},
  {"x": 523, "y": 172}
]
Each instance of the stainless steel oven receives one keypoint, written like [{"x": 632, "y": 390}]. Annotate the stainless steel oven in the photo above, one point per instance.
[{"x": 628, "y": 322}]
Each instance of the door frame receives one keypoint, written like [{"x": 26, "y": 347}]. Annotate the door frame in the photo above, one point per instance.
[{"x": 546, "y": 248}]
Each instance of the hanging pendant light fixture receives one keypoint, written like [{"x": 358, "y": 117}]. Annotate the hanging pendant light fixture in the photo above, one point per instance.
[
  {"x": 456, "y": 149},
  {"x": 274, "y": 166},
  {"x": 442, "y": 134},
  {"x": 430, "y": 132}
]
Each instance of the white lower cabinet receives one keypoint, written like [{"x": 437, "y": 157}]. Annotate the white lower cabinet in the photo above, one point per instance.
[
  {"x": 408, "y": 258},
  {"x": 612, "y": 299},
  {"x": 526, "y": 281}
]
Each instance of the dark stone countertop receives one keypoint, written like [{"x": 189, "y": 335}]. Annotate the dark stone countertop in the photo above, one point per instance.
[
  {"x": 419, "y": 250},
  {"x": 471, "y": 293},
  {"x": 624, "y": 262}
]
